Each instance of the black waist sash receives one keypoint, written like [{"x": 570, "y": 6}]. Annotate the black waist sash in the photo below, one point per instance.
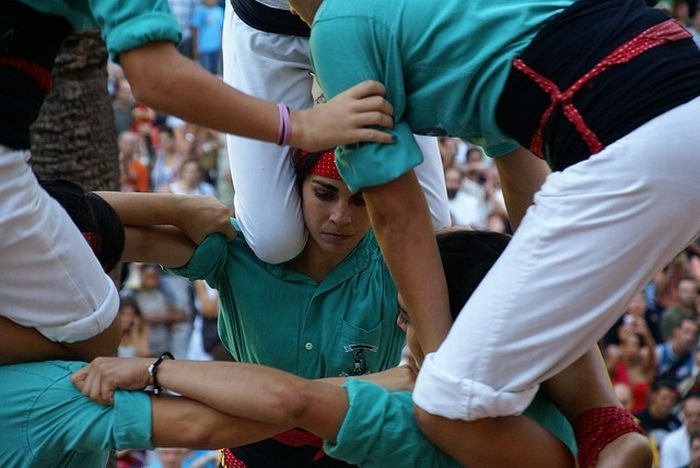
[
  {"x": 612, "y": 103},
  {"x": 29, "y": 42},
  {"x": 268, "y": 19}
]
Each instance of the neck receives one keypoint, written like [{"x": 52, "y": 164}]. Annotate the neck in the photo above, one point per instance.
[
  {"x": 314, "y": 262},
  {"x": 307, "y": 10}
]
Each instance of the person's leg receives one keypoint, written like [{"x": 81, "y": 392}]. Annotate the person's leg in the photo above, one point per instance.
[
  {"x": 607, "y": 436},
  {"x": 595, "y": 235},
  {"x": 49, "y": 277},
  {"x": 506, "y": 441},
  {"x": 274, "y": 67}
]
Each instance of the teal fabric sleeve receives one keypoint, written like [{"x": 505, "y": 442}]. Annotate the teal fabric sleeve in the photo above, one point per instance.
[
  {"x": 364, "y": 49},
  {"x": 208, "y": 261},
  {"x": 126, "y": 24}
]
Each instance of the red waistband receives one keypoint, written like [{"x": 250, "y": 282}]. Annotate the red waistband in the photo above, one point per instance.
[
  {"x": 39, "y": 74},
  {"x": 659, "y": 34},
  {"x": 291, "y": 438}
]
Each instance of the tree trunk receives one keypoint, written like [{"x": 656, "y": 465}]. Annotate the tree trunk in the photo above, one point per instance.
[{"x": 74, "y": 137}]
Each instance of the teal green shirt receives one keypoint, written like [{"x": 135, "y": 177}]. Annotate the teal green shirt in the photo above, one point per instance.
[
  {"x": 125, "y": 24},
  {"x": 379, "y": 430},
  {"x": 272, "y": 315},
  {"x": 45, "y": 421},
  {"x": 444, "y": 64}
]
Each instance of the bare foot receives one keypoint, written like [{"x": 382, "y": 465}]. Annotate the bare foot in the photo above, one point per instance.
[{"x": 631, "y": 450}]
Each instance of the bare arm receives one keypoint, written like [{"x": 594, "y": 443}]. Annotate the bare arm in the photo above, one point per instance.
[
  {"x": 243, "y": 390},
  {"x": 399, "y": 216},
  {"x": 197, "y": 216},
  {"x": 182, "y": 422},
  {"x": 163, "y": 245},
  {"x": 522, "y": 174},
  {"x": 167, "y": 81},
  {"x": 22, "y": 344}
]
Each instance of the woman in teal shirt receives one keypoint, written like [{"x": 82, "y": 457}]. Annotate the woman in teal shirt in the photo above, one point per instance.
[
  {"x": 598, "y": 90},
  {"x": 371, "y": 423},
  {"x": 39, "y": 243}
]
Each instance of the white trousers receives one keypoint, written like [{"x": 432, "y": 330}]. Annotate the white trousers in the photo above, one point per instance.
[
  {"x": 49, "y": 277},
  {"x": 277, "y": 67},
  {"x": 596, "y": 234}
]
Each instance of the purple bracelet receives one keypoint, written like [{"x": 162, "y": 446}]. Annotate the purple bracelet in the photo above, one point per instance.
[{"x": 284, "y": 132}]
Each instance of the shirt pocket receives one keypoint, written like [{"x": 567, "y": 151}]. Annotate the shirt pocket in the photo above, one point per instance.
[{"x": 357, "y": 350}]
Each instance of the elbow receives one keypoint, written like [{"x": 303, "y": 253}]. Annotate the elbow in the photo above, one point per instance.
[{"x": 295, "y": 403}]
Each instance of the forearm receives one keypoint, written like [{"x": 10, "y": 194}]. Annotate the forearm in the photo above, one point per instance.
[
  {"x": 402, "y": 225},
  {"x": 163, "y": 245},
  {"x": 182, "y": 422},
  {"x": 400, "y": 378},
  {"x": 157, "y": 72},
  {"x": 148, "y": 209},
  {"x": 259, "y": 393}
]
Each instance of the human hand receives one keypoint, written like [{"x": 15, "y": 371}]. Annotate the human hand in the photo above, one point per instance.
[
  {"x": 344, "y": 119},
  {"x": 99, "y": 379},
  {"x": 203, "y": 216}
]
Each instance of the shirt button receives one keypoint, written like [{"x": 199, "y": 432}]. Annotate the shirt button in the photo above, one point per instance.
[{"x": 309, "y": 346}]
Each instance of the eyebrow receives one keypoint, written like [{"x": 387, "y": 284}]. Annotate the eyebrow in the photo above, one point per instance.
[{"x": 325, "y": 185}]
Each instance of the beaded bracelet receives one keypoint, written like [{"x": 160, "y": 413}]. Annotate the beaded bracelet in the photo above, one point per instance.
[
  {"x": 284, "y": 131},
  {"x": 153, "y": 372}
]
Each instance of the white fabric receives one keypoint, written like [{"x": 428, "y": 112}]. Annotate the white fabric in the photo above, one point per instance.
[
  {"x": 277, "y": 67},
  {"x": 49, "y": 277},
  {"x": 597, "y": 233},
  {"x": 675, "y": 449},
  {"x": 279, "y": 4}
]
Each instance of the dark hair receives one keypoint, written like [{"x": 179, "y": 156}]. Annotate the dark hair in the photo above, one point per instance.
[
  {"x": 130, "y": 301},
  {"x": 303, "y": 162},
  {"x": 466, "y": 258},
  {"x": 91, "y": 214},
  {"x": 659, "y": 384}
]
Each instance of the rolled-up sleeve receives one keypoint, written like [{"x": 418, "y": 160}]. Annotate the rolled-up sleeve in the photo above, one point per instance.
[
  {"x": 346, "y": 51},
  {"x": 129, "y": 24}
]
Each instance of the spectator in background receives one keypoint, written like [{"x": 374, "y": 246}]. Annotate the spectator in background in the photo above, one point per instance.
[
  {"x": 623, "y": 393},
  {"x": 464, "y": 207},
  {"x": 157, "y": 308},
  {"x": 658, "y": 419},
  {"x": 180, "y": 290},
  {"x": 133, "y": 174},
  {"x": 694, "y": 450},
  {"x": 636, "y": 309},
  {"x": 167, "y": 159},
  {"x": 123, "y": 106},
  {"x": 207, "y": 25},
  {"x": 675, "y": 357},
  {"x": 448, "y": 151},
  {"x": 134, "y": 341},
  {"x": 205, "y": 147},
  {"x": 684, "y": 307},
  {"x": 675, "y": 450},
  {"x": 633, "y": 362},
  {"x": 183, "y": 10},
  {"x": 666, "y": 281},
  {"x": 144, "y": 125},
  {"x": 190, "y": 181}
]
